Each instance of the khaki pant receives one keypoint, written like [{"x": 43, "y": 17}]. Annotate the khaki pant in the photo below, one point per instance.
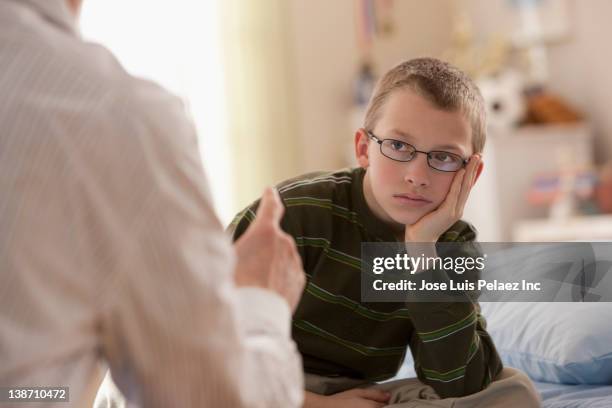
[{"x": 510, "y": 389}]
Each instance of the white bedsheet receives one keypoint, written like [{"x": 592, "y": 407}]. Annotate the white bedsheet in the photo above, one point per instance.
[{"x": 575, "y": 396}]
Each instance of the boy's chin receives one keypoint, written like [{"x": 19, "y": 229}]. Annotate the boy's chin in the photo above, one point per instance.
[{"x": 404, "y": 218}]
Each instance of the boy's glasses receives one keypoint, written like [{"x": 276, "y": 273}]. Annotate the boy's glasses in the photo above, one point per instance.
[{"x": 404, "y": 152}]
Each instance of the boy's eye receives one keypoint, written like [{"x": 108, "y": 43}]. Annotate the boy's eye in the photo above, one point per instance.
[
  {"x": 399, "y": 146},
  {"x": 444, "y": 157}
]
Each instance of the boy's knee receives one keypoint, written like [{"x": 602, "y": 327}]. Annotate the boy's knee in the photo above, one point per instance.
[{"x": 519, "y": 387}]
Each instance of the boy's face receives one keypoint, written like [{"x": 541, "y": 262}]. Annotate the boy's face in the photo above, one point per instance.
[{"x": 403, "y": 192}]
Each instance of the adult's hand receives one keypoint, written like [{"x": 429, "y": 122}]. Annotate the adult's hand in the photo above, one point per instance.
[{"x": 267, "y": 257}]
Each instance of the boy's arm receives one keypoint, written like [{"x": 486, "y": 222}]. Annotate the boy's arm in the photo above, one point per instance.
[{"x": 452, "y": 351}]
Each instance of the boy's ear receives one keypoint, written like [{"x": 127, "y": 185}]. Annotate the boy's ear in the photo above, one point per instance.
[
  {"x": 478, "y": 171},
  {"x": 361, "y": 148}
]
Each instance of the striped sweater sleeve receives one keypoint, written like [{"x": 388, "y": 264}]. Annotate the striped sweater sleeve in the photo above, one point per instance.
[
  {"x": 244, "y": 218},
  {"x": 452, "y": 351}
]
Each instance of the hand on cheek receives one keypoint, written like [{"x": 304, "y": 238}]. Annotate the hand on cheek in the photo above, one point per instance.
[{"x": 432, "y": 225}]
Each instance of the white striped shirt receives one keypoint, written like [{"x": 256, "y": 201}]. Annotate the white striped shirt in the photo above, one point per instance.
[{"x": 110, "y": 252}]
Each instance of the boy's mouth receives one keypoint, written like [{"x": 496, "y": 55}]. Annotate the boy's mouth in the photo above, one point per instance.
[{"x": 412, "y": 199}]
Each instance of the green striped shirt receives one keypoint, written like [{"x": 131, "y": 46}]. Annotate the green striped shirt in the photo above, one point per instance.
[{"x": 336, "y": 333}]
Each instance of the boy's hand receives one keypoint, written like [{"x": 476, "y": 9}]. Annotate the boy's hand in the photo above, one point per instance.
[
  {"x": 355, "y": 398},
  {"x": 267, "y": 257},
  {"x": 432, "y": 225}
]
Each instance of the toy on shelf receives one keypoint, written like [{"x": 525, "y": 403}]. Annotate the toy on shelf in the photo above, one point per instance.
[
  {"x": 567, "y": 191},
  {"x": 546, "y": 108},
  {"x": 603, "y": 191}
]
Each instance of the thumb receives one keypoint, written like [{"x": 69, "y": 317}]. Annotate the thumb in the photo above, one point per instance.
[{"x": 270, "y": 207}]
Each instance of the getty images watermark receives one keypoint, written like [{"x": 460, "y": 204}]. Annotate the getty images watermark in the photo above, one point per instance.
[{"x": 489, "y": 272}]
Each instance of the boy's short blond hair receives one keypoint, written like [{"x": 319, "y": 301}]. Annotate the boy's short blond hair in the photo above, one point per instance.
[{"x": 444, "y": 85}]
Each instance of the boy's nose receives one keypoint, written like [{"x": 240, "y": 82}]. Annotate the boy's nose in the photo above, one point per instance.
[{"x": 417, "y": 171}]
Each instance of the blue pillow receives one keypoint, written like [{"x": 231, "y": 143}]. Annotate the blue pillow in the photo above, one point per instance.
[{"x": 569, "y": 343}]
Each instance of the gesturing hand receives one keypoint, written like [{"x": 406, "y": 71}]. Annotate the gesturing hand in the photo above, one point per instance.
[
  {"x": 267, "y": 257},
  {"x": 432, "y": 225}
]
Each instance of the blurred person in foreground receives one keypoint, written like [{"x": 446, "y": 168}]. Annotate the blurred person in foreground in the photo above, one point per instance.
[{"x": 110, "y": 251}]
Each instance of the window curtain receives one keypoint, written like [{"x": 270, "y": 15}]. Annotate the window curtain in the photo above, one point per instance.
[{"x": 261, "y": 104}]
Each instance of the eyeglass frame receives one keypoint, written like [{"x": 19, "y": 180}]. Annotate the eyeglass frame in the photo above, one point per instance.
[{"x": 381, "y": 141}]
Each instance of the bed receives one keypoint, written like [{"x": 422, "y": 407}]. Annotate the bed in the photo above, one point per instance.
[
  {"x": 564, "y": 347},
  {"x": 553, "y": 395},
  {"x": 575, "y": 396}
]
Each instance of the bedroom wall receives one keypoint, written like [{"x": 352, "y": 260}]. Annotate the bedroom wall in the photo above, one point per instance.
[
  {"x": 579, "y": 65},
  {"x": 580, "y": 69},
  {"x": 326, "y": 58}
]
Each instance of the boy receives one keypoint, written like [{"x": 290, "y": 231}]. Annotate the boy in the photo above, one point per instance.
[{"x": 419, "y": 156}]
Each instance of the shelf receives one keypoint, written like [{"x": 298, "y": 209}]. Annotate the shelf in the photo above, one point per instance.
[{"x": 580, "y": 228}]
